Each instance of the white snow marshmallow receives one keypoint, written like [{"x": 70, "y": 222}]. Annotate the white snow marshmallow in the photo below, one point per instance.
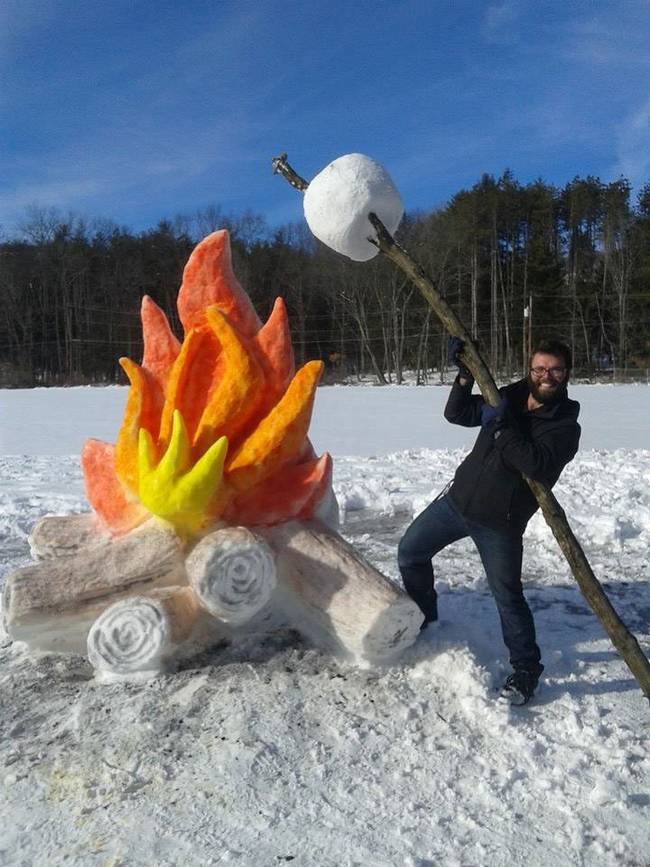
[{"x": 337, "y": 203}]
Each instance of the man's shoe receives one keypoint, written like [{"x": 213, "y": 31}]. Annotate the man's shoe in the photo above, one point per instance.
[
  {"x": 430, "y": 610},
  {"x": 520, "y": 687}
]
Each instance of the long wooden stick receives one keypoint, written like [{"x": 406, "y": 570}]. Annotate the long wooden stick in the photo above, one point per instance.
[{"x": 622, "y": 639}]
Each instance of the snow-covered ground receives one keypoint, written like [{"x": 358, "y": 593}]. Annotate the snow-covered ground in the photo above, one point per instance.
[{"x": 275, "y": 753}]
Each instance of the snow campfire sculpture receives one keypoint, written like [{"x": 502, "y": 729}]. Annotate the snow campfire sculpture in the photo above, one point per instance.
[{"x": 212, "y": 514}]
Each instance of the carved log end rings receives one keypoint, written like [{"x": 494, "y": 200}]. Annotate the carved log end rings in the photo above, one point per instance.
[
  {"x": 131, "y": 638},
  {"x": 233, "y": 573}
]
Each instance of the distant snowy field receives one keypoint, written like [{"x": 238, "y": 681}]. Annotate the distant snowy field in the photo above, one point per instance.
[
  {"x": 273, "y": 753},
  {"x": 348, "y": 420}
]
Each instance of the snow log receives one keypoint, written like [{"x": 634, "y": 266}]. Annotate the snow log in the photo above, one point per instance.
[
  {"x": 233, "y": 573},
  {"x": 141, "y": 636},
  {"x": 335, "y": 598},
  {"x": 52, "y": 604},
  {"x": 60, "y": 535}
]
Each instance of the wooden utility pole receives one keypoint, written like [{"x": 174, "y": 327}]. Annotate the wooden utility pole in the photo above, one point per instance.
[
  {"x": 527, "y": 334},
  {"x": 524, "y": 341},
  {"x": 622, "y": 639}
]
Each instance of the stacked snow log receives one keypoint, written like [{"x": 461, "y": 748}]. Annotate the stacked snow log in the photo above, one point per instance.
[
  {"x": 137, "y": 604},
  {"x": 52, "y": 603},
  {"x": 138, "y": 637}
]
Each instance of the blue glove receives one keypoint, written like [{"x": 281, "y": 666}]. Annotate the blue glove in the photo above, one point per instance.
[
  {"x": 494, "y": 416},
  {"x": 454, "y": 348}
]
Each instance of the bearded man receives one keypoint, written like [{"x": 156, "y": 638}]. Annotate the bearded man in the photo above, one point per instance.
[{"x": 532, "y": 432}]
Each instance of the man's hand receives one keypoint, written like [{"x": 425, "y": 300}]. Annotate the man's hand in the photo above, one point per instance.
[
  {"x": 493, "y": 417},
  {"x": 455, "y": 348}
]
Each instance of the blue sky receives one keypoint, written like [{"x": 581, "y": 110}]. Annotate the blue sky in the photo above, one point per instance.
[{"x": 141, "y": 110}]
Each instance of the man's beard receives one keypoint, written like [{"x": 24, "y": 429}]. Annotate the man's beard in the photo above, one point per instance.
[{"x": 546, "y": 395}]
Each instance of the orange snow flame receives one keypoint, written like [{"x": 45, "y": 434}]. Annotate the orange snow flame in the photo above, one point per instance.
[{"x": 231, "y": 377}]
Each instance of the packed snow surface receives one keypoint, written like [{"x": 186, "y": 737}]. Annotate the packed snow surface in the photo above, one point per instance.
[
  {"x": 271, "y": 752},
  {"x": 338, "y": 200}
]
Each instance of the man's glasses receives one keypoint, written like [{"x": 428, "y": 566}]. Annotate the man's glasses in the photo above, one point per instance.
[{"x": 555, "y": 372}]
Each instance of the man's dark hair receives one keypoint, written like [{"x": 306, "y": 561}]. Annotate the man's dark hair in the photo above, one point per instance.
[{"x": 553, "y": 347}]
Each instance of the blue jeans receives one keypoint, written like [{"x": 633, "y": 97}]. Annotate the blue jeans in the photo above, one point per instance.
[{"x": 439, "y": 525}]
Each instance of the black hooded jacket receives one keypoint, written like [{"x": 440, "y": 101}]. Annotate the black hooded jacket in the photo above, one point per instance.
[{"x": 489, "y": 487}]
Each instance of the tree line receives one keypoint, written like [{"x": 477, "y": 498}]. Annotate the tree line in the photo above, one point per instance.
[{"x": 517, "y": 262}]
